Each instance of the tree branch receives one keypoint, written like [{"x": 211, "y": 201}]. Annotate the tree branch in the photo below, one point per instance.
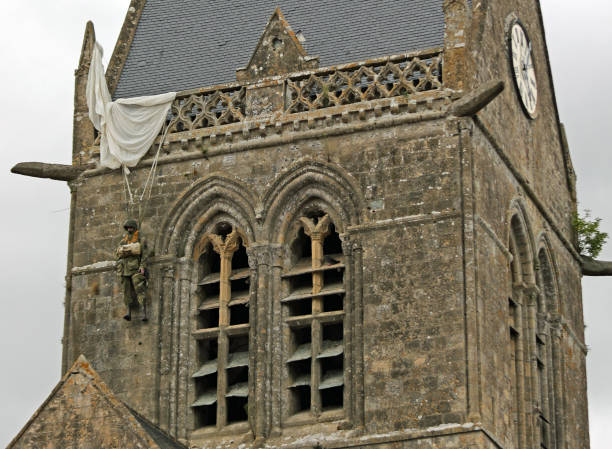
[{"x": 592, "y": 267}]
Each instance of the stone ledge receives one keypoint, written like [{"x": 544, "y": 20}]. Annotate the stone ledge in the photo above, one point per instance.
[
  {"x": 346, "y": 439},
  {"x": 194, "y": 147},
  {"x": 409, "y": 220},
  {"x": 109, "y": 265}
]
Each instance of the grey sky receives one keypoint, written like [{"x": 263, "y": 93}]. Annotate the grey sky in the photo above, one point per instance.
[{"x": 40, "y": 43}]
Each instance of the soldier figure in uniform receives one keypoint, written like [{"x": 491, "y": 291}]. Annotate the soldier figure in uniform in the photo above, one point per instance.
[{"x": 132, "y": 255}]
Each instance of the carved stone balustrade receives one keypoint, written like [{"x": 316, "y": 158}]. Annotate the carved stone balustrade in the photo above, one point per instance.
[
  {"x": 302, "y": 102},
  {"x": 401, "y": 75}
]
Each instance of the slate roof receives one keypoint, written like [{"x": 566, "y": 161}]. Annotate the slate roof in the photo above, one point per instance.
[
  {"x": 161, "y": 438},
  {"x": 185, "y": 44}
]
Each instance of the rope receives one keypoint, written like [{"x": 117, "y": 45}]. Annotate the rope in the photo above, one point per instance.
[
  {"x": 127, "y": 184},
  {"x": 154, "y": 165},
  {"x": 148, "y": 186}
]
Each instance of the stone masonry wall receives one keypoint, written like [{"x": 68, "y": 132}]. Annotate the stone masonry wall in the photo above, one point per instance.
[
  {"x": 518, "y": 165},
  {"x": 532, "y": 146},
  {"x": 426, "y": 200},
  {"x": 495, "y": 191},
  {"x": 413, "y": 349}
]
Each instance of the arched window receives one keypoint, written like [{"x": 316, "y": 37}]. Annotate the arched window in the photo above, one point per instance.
[
  {"x": 544, "y": 390},
  {"x": 522, "y": 281},
  {"x": 222, "y": 330},
  {"x": 514, "y": 328},
  {"x": 313, "y": 308}
]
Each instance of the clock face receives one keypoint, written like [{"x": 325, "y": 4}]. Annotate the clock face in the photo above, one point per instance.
[{"x": 524, "y": 73}]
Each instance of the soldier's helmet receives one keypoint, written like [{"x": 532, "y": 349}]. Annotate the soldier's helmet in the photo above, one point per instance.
[{"x": 130, "y": 223}]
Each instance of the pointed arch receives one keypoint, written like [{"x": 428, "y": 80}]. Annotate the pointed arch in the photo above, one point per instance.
[
  {"x": 545, "y": 351},
  {"x": 547, "y": 274},
  {"x": 211, "y": 200},
  {"x": 520, "y": 319},
  {"x": 312, "y": 184},
  {"x": 521, "y": 243}
]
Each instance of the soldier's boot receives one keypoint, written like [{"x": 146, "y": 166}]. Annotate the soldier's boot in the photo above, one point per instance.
[
  {"x": 144, "y": 311},
  {"x": 128, "y": 315},
  {"x": 140, "y": 288}
]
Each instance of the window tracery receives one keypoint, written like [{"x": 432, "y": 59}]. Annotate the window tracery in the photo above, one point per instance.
[
  {"x": 519, "y": 279},
  {"x": 222, "y": 334},
  {"x": 313, "y": 319}
]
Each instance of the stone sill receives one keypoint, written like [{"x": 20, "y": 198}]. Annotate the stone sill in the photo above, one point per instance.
[{"x": 289, "y": 439}]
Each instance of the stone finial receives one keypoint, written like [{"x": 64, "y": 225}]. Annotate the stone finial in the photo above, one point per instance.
[
  {"x": 89, "y": 38},
  {"x": 456, "y": 27},
  {"x": 279, "y": 51},
  {"x": 83, "y": 130}
]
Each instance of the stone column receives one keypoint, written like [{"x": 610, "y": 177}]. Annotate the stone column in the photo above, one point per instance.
[
  {"x": 83, "y": 129},
  {"x": 317, "y": 234},
  {"x": 262, "y": 261},
  {"x": 533, "y": 378},
  {"x": 353, "y": 337},
  {"x": 518, "y": 296},
  {"x": 165, "y": 343},
  {"x": 185, "y": 273},
  {"x": 67, "y": 355},
  {"x": 274, "y": 255},
  {"x": 557, "y": 376},
  {"x": 225, "y": 247},
  {"x": 456, "y": 27}
]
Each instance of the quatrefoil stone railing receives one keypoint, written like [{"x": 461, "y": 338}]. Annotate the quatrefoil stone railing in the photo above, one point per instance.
[
  {"x": 206, "y": 109},
  {"x": 402, "y": 75}
]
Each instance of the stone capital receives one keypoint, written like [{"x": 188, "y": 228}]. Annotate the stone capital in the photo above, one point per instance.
[
  {"x": 264, "y": 254},
  {"x": 317, "y": 231}
]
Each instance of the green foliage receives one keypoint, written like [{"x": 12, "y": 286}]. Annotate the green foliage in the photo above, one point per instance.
[{"x": 590, "y": 238}]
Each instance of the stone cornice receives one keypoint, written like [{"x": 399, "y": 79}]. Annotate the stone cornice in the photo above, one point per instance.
[
  {"x": 289, "y": 128},
  {"x": 432, "y": 217}
]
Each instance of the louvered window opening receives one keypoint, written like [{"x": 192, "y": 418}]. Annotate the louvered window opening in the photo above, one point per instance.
[
  {"x": 313, "y": 314},
  {"x": 515, "y": 359},
  {"x": 221, "y": 380},
  {"x": 543, "y": 405}
]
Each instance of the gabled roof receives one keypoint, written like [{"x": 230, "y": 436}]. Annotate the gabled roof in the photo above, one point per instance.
[
  {"x": 185, "y": 44},
  {"x": 82, "y": 412}
]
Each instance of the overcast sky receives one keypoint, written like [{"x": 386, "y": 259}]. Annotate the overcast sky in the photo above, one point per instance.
[{"x": 40, "y": 42}]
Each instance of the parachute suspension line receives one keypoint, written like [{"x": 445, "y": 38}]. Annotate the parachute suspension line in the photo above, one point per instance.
[
  {"x": 127, "y": 184},
  {"x": 148, "y": 187},
  {"x": 127, "y": 191},
  {"x": 132, "y": 198}
]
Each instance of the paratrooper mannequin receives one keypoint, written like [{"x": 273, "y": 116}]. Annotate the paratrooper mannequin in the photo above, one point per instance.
[{"x": 132, "y": 257}]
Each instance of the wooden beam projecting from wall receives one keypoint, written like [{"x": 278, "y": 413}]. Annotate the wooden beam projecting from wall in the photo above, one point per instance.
[
  {"x": 59, "y": 172},
  {"x": 474, "y": 101}
]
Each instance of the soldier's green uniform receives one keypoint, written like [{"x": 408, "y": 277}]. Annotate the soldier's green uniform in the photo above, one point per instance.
[{"x": 132, "y": 257}]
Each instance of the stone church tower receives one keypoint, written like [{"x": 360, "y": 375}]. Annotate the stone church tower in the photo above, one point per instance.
[{"x": 362, "y": 232}]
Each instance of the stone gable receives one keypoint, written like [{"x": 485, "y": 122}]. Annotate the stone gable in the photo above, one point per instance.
[{"x": 82, "y": 412}]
